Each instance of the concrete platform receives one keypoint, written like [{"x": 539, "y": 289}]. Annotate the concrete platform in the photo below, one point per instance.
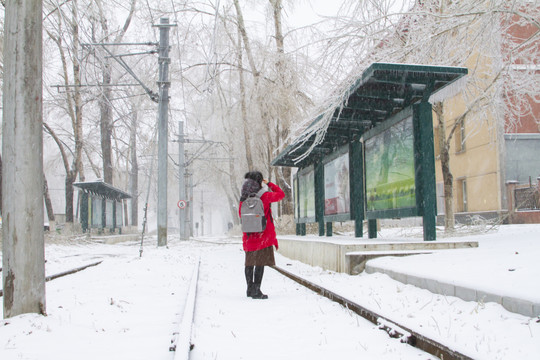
[
  {"x": 510, "y": 303},
  {"x": 115, "y": 238},
  {"x": 349, "y": 254},
  {"x": 356, "y": 260}
]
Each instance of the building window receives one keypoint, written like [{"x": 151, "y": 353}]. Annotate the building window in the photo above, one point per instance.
[
  {"x": 462, "y": 195},
  {"x": 460, "y": 137}
]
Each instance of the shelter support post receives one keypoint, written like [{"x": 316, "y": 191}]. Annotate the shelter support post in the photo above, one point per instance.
[
  {"x": 319, "y": 196},
  {"x": 103, "y": 215},
  {"x": 357, "y": 187},
  {"x": 321, "y": 228},
  {"x": 425, "y": 157},
  {"x": 301, "y": 229},
  {"x": 84, "y": 212},
  {"x": 329, "y": 228},
  {"x": 114, "y": 225},
  {"x": 372, "y": 228}
]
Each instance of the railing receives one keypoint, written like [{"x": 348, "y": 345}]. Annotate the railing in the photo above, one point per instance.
[{"x": 526, "y": 198}]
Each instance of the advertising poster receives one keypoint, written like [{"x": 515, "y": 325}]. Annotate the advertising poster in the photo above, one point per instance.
[
  {"x": 296, "y": 203},
  {"x": 390, "y": 168},
  {"x": 336, "y": 186},
  {"x": 306, "y": 191}
]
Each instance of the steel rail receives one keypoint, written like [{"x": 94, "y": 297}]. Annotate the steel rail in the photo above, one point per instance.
[
  {"x": 393, "y": 329},
  {"x": 64, "y": 273},
  {"x": 181, "y": 344}
]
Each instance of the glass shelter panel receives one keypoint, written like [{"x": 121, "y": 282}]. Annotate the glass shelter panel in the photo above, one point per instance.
[
  {"x": 109, "y": 213},
  {"x": 336, "y": 186},
  {"x": 119, "y": 214},
  {"x": 306, "y": 194},
  {"x": 96, "y": 211},
  {"x": 390, "y": 174},
  {"x": 296, "y": 203}
]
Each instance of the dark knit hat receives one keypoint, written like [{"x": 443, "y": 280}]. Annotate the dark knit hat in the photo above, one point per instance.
[{"x": 250, "y": 187}]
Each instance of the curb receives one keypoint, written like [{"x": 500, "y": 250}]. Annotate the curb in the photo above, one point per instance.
[{"x": 512, "y": 304}]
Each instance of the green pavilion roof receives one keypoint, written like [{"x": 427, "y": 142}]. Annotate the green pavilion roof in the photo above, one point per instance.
[
  {"x": 103, "y": 189},
  {"x": 382, "y": 91}
]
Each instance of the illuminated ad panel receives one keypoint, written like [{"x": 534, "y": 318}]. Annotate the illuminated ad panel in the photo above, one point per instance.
[
  {"x": 336, "y": 186},
  {"x": 389, "y": 159},
  {"x": 306, "y": 194},
  {"x": 295, "y": 190}
]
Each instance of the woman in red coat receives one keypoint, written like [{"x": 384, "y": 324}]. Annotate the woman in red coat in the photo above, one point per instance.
[{"x": 259, "y": 247}]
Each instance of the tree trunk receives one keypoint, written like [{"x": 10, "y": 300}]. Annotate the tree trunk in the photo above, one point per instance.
[
  {"x": 283, "y": 175},
  {"x": 47, "y": 197},
  {"x": 105, "y": 103},
  {"x": 70, "y": 179},
  {"x": 73, "y": 106},
  {"x": 105, "y": 120},
  {"x": 448, "y": 179},
  {"x": 134, "y": 172},
  {"x": 106, "y": 124},
  {"x": 77, "y": 167},
  {"x": 246, "y": 128},
  {"x": 266, "y": 149},
  {"x": 284, "y": 182}
]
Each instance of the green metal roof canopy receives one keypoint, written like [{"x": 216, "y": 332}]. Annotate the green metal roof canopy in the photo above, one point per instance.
[
  {"x": 382, "y": 91},
  {"x": 103, "y": 189}
]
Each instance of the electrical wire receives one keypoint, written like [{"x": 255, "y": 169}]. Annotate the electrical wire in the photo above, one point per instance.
[{"x": 148, "y": 192}]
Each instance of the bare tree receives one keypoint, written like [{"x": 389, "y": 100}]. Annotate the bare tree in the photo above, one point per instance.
[
  {"x": 105, "y": 99},
  {"x": 476, "y": 34},
  {"x": 72, "y": 103}
]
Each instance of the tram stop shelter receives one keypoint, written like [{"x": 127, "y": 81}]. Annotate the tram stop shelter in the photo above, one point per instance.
[
  {"x": 101, "y": 206},
  {"x": 376, "y": 158}
]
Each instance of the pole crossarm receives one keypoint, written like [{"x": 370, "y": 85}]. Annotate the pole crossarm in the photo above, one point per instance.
[
  {"x": 120, "y": 44},
  {"x": 153, "y": 96},
  {"x": 91, "y": 85},
  {"x": 151, "y": 52}
]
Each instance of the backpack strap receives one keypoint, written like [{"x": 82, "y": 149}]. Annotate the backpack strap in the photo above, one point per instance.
[{"x": 260, "y": 193}]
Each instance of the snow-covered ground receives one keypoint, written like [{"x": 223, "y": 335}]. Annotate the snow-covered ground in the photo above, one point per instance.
[{"x": 128, "y": 307}]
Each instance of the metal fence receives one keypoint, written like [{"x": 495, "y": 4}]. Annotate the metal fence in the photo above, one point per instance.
[{"x": 527, "y": 198}]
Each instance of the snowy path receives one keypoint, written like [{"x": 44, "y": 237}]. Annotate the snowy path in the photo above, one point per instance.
[
  {"x": 126, "y": 308},
  {"x": 293, "y": 323}
]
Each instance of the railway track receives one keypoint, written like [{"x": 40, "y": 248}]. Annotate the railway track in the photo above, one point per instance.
[
  {"x": 182, "y": 339},
  {"x": 393, "y": 329},
  {"x": 64, "y": 273}
]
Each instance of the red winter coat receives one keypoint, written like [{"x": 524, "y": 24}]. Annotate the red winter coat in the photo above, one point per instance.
[{"x": 258, "y": 241}]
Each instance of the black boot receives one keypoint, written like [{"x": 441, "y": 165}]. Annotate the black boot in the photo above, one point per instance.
[
  {"x": 249, "y": 280},
  {"x": 257, "y": 294}
]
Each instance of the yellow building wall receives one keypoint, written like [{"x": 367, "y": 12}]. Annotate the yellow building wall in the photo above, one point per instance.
[{"x": 478, "y": 164}]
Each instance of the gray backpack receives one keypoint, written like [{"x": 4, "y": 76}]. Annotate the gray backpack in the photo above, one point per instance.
[{"x": 252, "y": 214}]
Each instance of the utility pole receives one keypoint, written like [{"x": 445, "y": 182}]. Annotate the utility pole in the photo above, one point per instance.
[
  {"x": 185, "y": 182},
  {"x": 202, "y": 213},
  {"x": 23, "y": 258},
  {"x": 182, "y": 211},
  {"x": 163, "y": 120}
]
